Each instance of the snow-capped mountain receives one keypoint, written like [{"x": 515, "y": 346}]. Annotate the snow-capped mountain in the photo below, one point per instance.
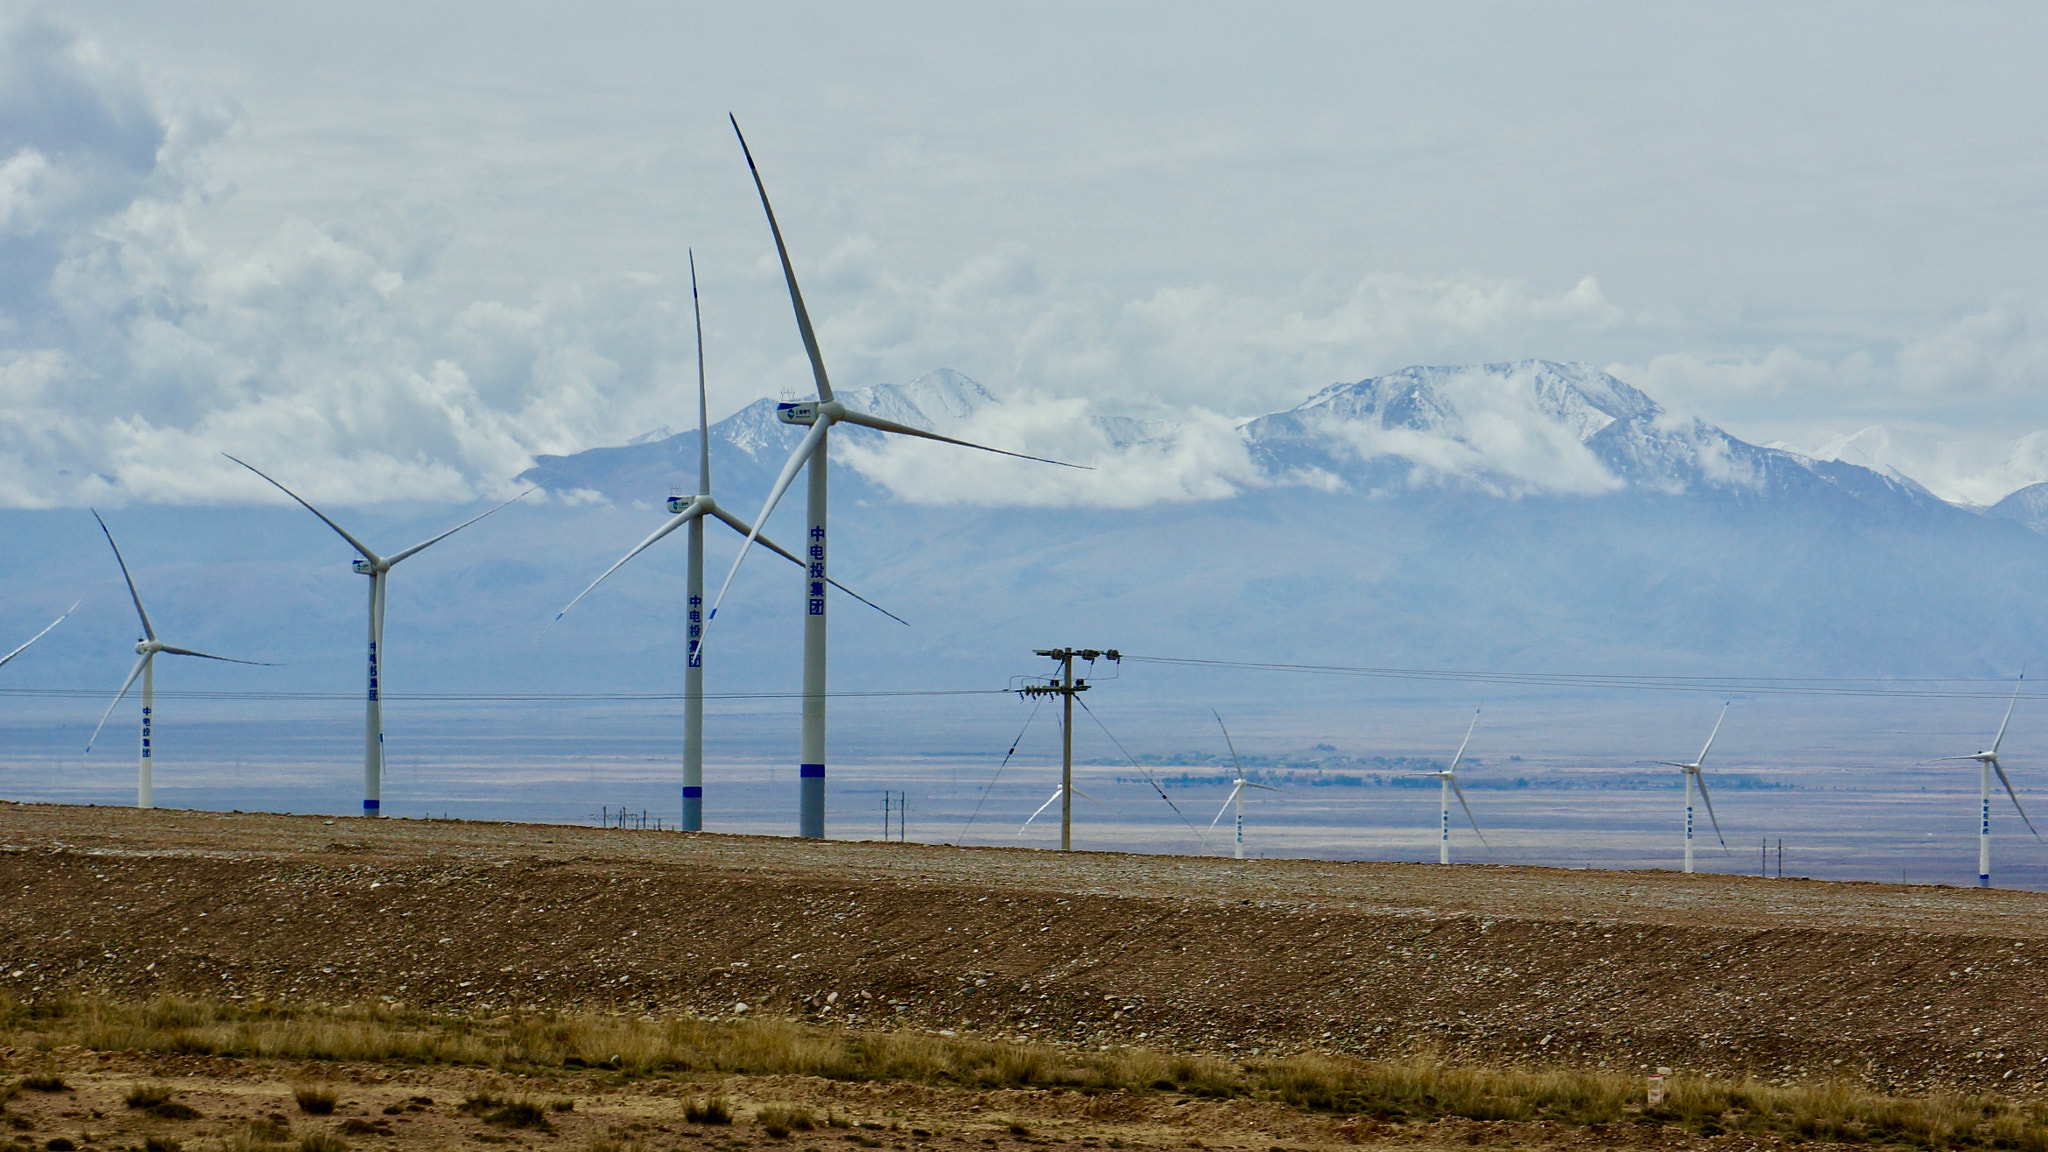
[
  {"x": 1538, "y": 427},
  {"x": 752, "y": 442},
  {"x": 747, "y": 443},
  {"x": 1529, "y": 516},
  {"x": 2027, "y": 506},
  {"x": 1533, "y": 428},
  {"x": 1531, "y": 511}
]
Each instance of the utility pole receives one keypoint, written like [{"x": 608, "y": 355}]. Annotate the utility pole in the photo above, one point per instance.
[
  {"x": 1066, "y": 686},
  {"x": 900, "y": 802}
]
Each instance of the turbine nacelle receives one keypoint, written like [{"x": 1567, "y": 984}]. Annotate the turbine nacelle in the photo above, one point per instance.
[
  {"x": 703, "y": 503},
  {"x": 805, "y": 411},
  {"x": 364, "y": 568}
]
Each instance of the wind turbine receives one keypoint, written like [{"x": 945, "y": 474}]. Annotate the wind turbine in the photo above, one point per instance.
[
  {"x": 1693, "y": 771},
  {"x": 1058, "y": 791},
  {"x": 378, "y": 569},
  {"x": 40, "y": 635},
  {"x": 1449, "y": 777},
  {"x": 819, "y": 415},
  {"x": 1988, "y": 761},
  {"x": 692, "y": 510},
  {"x": 1236, "y": 790},
  {"x": 146, "y": 648}
]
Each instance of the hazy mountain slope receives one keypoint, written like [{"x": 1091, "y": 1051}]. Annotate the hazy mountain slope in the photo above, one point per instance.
[
  {"x": 2028, "y": 506},
  {"x": 1645, "y": 544}
]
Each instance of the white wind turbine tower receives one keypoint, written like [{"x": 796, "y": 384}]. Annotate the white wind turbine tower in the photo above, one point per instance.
[
  {"x": 1695, "y": 771},
  {"x": 146, "y": 648},
  {"x": 378, "y": 569},
  {"x": 1237, "y": 788},
  {"x": 1988, "y": 761},
  {"x": 692, "y": 510},
  {"x": 39, "y": 635},
  {"x": 1449, "y": 777},
  {"x": 819, "y": 415}
]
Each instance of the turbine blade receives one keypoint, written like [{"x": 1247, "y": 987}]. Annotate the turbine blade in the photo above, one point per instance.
[
  {"x": 1042, "y": 807},
  {"x": 2005, "y": 780},
  {"x": 703, "y": 410},
  {"x": 1455, "y": 760},
  {"x": 1235, "y": 762},
  {"x": 741, "y": 526},
  {"x": 881, "y": 425},
  {"x": 132, "y": 593},
  {"x": 674, "y": 522},
  {"x": 1670, "y": 763},
  {"x": 1090, "y": 799},
  {"x": 426, "y": 544},
  {"x": 796, "y": 297},
  {"x": 866, "y": 601},
  {"x": 1940, "y": 759},
  {"x": 1714, "y": 733},
  {"x": 1710, "y": 810},
  {"x": 1227, "y": 802},
  {"x": 797, "y": 460},
  {"x": 1468, "y": 813},
  {"x": 207, "y": 656},
  {"x": 116, "y": 701},
  {"x": 39, "y": 635},
  {"x": 354, "y": 543},
  {"x": 1263, "y": 787},
  {"x": 2017, "y": 684}
]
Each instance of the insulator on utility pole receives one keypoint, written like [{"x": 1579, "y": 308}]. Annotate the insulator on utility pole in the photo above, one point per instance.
[{"x": 1065, "y": 686}]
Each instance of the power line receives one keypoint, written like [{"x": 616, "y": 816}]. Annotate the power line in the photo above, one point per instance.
[
  {"x": 1140, "y": 767},
  {"x": 488, "y": 697},
  {"x": 1713, "y": 685},
  {"x": 999, "y": 768}
]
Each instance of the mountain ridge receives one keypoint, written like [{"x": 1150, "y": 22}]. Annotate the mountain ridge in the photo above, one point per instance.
[{"x": 1508, "y": 429}]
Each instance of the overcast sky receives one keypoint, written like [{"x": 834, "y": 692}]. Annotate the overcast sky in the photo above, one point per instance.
[{"x": 404, "y": 247}]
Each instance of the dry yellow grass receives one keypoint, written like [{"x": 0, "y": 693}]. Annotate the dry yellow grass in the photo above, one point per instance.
[{"x": 1413, "y": 1089}]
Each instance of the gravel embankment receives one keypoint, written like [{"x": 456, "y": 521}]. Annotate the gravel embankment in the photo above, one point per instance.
[{"x": 1905, "y": 986}]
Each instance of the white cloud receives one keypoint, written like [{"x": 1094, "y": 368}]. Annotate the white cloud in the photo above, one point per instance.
[
  {"x": 147, "y": 323},
  {"x": 1967, "y": 469},
  {"x": 2000, "y": 350},
  {"x": 1174, "y": 346},
  {"x": 136, "y": 350},
  {"x": 1497, "y": 436},
  {"x": 1948, "y": 408},
  {"x": 1200, "y": 458}
]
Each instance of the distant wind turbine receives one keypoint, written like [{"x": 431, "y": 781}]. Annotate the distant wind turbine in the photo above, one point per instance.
[
  {"x": 1449, "y": 777},
  {"x": 1695, "y": 770},
  {"x": 1237, "y": 788},
  {"x": 39, "y": 635},
  {"x": 1058, "y": 791},
  {"x": 378, "y": 569},
  {"x": 692, "y": 510},
  {"x": 1988, "y": 761},
  {"x": 819, "y": 415},
  {"x": 146, "y": 648}
]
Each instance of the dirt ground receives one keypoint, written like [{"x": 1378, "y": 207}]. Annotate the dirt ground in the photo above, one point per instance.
[
  {"x": 1906, "y": 987},
  {"x": 422, "y": 1109}
]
